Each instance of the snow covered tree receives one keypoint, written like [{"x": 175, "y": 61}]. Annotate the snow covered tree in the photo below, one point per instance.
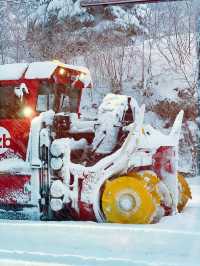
[
  {"x": 13, "y": 27},
  {"x": 4, "y": 35},
  {"x": 62, "y": 29}
]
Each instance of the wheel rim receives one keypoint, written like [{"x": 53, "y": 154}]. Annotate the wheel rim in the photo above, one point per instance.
[{"x": 126, "y": 200}]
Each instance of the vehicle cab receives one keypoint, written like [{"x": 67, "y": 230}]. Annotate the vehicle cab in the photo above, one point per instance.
[{"x": 26, "y": 90}]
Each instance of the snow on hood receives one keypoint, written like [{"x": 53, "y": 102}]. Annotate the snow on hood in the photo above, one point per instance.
[
  {"x": 110, "y": 115},
  {"x": 47, "y": 117},
  {"x": 112, "y": 101},
  {"x": 12, "y": 71}
]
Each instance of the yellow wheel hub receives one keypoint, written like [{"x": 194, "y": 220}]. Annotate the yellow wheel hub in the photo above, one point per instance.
[
  {"x": 184, "y": 192},
  {"x": 127, "y": 200}
]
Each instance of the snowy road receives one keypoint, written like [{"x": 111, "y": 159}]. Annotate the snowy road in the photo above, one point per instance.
[{"x": 173, "y": 242}]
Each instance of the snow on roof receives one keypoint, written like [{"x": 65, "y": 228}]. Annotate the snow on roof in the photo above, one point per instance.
[
  {"x": 40, "y": 70},
  {"x": 12, "y": 71},
  {"x": 35, "y": 70}
]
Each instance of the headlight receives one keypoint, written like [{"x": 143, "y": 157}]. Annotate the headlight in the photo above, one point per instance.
[{"x": 27, "y": 111}]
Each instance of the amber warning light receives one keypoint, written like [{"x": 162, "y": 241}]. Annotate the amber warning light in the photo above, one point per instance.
[{"x": 87, "y": 3}]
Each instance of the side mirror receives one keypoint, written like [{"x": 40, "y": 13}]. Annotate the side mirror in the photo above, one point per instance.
[{"x": 21, "y": 90}]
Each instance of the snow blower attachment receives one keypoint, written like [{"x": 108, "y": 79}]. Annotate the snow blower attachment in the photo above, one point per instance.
[{"x": 111, "y": 169}]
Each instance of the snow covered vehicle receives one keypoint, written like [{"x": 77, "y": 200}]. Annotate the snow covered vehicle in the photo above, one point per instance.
[{"x": 114, "y": 168}]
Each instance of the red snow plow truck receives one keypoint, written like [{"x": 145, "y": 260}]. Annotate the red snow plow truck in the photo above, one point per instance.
[{"x": 113, "y": 168}]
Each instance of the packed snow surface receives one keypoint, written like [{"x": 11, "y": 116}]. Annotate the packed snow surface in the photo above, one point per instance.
[{"x": 172, "y": 242}]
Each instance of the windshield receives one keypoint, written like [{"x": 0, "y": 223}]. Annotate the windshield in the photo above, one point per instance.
[
  {"x": 67, "y": 98},
  {"x": 59, "y": 97}
]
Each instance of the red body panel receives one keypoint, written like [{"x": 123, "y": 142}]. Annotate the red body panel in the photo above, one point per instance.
[
  {"x": 164, "y": 160},
  {"x": 13, "y": 144},
  {"x": 14, "y": 189},
  {"x": 164, "y": 164},
  {"x": 19, "y": 132}
]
